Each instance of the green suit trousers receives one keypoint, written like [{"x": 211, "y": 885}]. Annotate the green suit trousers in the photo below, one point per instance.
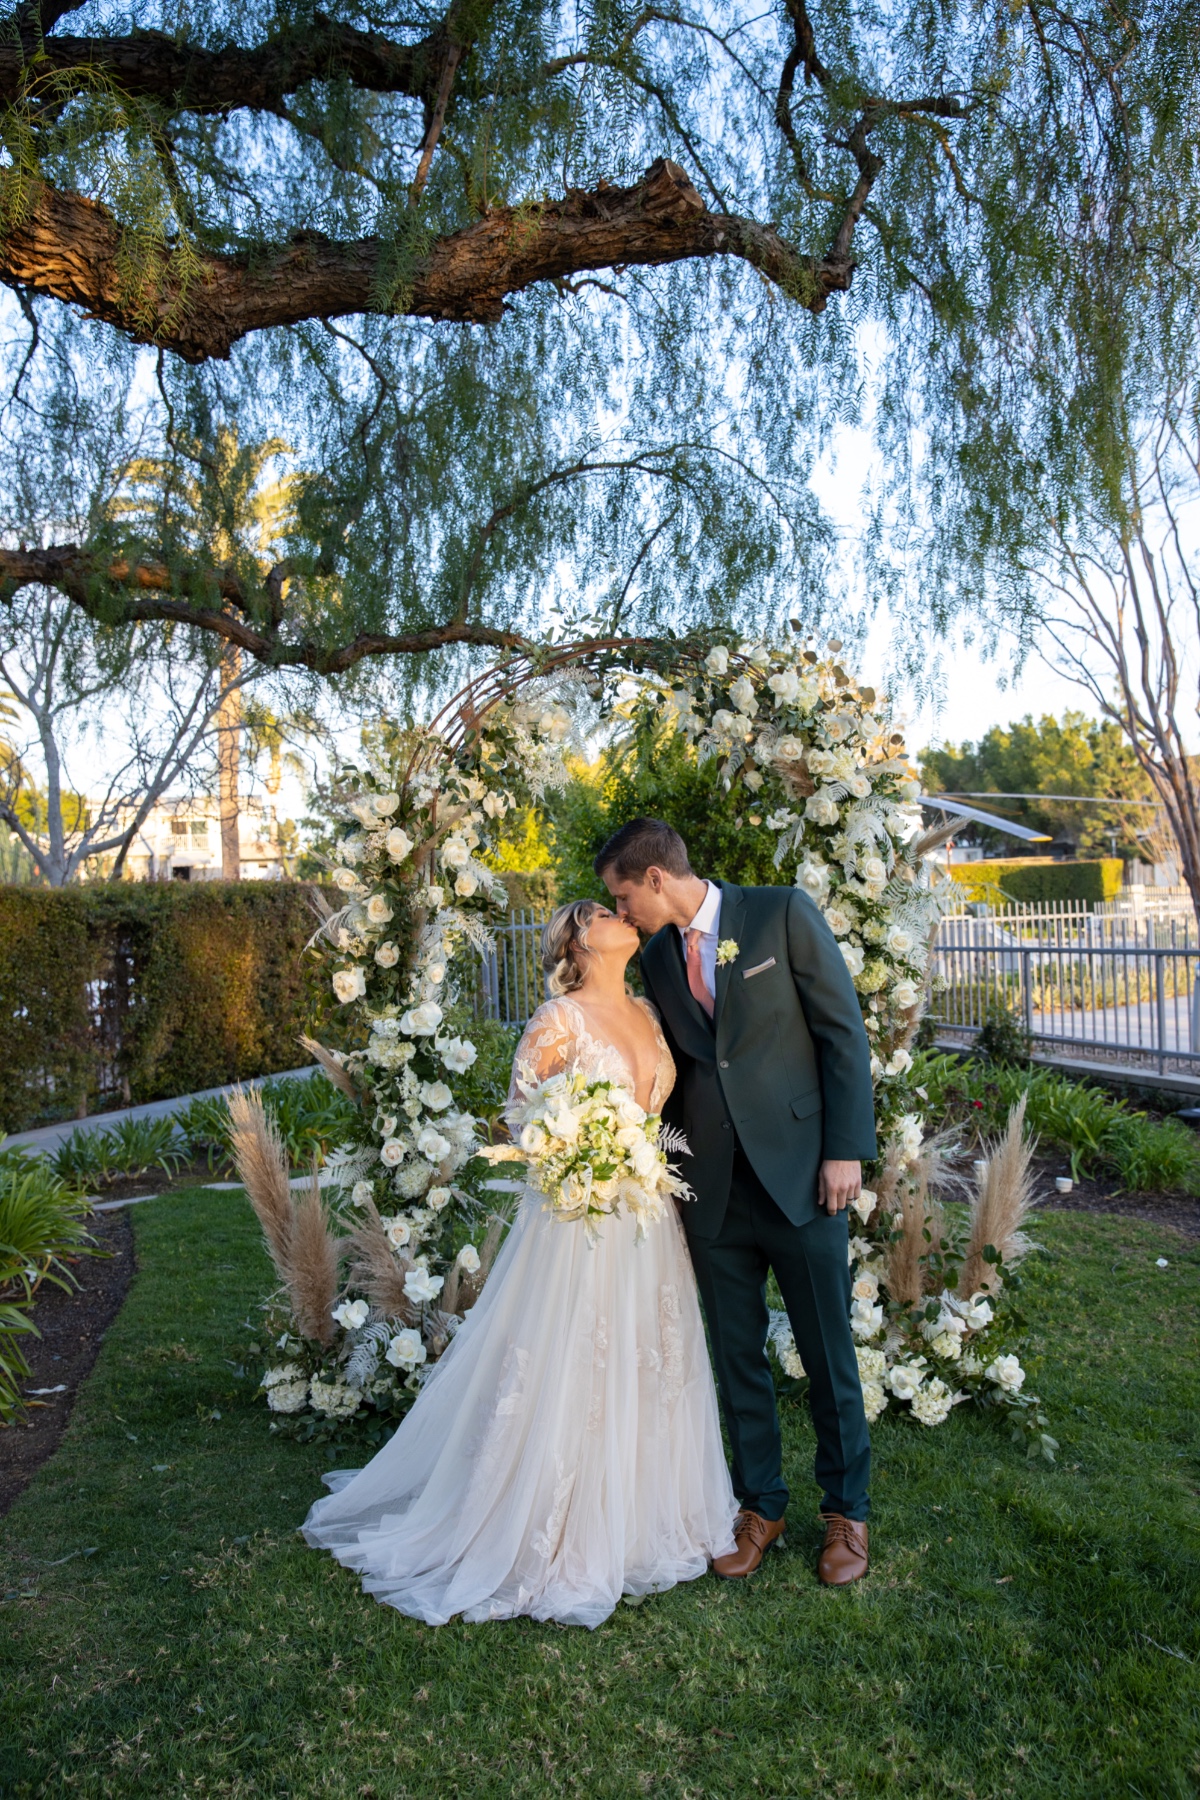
[{"x": 811, "y": 1265}]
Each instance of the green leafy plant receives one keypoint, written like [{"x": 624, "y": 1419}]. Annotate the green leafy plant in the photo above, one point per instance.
[
  {"x": 1004, "y": 1039},
  {"x": 42, "y": 1222}
]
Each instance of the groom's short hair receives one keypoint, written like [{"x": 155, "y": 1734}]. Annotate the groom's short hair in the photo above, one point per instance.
[{"x": 644, "y": 844}]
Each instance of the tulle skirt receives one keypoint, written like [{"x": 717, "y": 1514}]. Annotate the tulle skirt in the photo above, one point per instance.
[{"x": 566, "y": 1449}]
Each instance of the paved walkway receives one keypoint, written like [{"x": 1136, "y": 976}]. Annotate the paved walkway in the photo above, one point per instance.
[{"x": 49, "y": 1137}]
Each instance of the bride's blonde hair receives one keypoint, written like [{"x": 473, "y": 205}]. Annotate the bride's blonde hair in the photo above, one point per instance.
[{"x": 564, "y": 943}]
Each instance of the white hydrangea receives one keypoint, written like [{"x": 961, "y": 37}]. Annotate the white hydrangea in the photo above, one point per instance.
[
  {"x": 932, "y": 1404},
  {"x": 335, "y": 1399},
  {"x": 874, "y": 1400},
  {"x": 413, "y": 1179},
  {"x": 286, "y": 1388},
  {"x": 872, "y": 1364}
]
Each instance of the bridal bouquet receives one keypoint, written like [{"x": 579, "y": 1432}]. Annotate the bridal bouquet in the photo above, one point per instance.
[{"x": 591, "y": 1150}]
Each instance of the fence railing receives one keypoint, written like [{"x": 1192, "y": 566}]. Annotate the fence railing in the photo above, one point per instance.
[
  {"x": 1115, "y": 987},
  {"x": 512, "y": 984},
  {"x": 1119, "y": 988}
]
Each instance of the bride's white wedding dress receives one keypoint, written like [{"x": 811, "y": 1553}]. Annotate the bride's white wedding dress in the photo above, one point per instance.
[{"x": 566, "y": 1449}]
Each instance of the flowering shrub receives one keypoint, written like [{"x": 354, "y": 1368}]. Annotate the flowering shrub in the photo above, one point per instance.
[{"x": 591, "y": 1150}]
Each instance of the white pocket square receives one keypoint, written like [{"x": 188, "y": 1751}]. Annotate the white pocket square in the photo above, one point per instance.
[{"x": 758, "y": 968}]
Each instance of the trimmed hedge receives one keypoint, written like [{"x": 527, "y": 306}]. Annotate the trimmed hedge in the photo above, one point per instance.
[
  {"x": 126, "y": 992},
  {"x": 1032, "y": 880}
]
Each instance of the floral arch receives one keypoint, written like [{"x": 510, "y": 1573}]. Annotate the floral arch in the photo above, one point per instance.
[{"x": 395, "y": 1263}]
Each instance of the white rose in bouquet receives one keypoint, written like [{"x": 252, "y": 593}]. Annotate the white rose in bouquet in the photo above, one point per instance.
[
  {"x": 397, "y": 1231},
  {"x": 874, "y": 871},
  {"x": 813, "y": 877},
  {"x": 406, "y": 1351},
  {"x": 387, "y": 955},
  {"x": 899, "y": 1062},
  {"x": 977, "y": 1313},
  {"x": 865, "y": 1204},
  {"x": 753, "y": 779},
  {"x": 361, "y": 1192},
  {"x": 840, "y": 920},
  {"x": 421, "y": 1021},
  {"x": 723, "y": 721},
  {"x": 899, "y": 941},
  {"x": 495, "y": 805},
  {"x": 865, "y": 1318},
  {"x": 789, "y": 749},
  {"x": 349, "y": 984},
  {"x": 351, "y": 1314}
]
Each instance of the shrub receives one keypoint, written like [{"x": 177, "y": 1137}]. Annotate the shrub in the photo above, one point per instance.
[
  {"x": 1101, "y": 1135},
  {"x": 312, "y": 1117},
  {"x": 135, "y": 991},
  {"x": 1031, "y": 880},
  {"x": 1002, "y": 1038}
]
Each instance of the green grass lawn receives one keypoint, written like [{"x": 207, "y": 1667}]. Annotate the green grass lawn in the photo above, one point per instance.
[{"x": 1025, "y": 1631}]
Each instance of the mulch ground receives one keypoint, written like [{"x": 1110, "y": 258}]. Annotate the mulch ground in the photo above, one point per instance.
[
  {"x": 1181, "y": 1212},
  {"x": 72, "y": 1326}
]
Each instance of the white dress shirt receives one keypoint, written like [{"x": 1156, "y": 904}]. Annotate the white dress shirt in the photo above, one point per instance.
[{"x": 706, "y": 921}]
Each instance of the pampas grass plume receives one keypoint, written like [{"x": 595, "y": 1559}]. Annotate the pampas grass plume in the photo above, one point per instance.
[
  {"x": 262, "y": 1164},
  {"x": 999, "y": 1208}
]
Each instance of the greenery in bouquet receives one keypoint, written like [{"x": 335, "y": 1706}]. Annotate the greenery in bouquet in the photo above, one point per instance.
[{"x": 591, "y": 1150}]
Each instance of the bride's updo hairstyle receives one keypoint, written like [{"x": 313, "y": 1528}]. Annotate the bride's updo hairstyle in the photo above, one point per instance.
[{"x": 564, "y": 943}]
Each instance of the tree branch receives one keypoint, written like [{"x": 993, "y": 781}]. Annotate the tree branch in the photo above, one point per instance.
[{"x": 74, "y": 250}]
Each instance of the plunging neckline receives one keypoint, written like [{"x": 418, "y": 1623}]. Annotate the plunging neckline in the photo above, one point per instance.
[{"x": 600, "y": 1045}]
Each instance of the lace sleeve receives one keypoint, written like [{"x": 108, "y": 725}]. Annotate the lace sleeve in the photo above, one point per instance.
[{"x": 547, "y": 1045}]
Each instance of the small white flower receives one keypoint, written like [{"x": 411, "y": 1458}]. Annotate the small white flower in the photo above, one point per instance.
[
  {"x": 398, "y": 844},
  {"x": 466, "y": 884},
  {"x": 387, "y": 955},
  {"x": 909, "y": 1136},
  {"x": 435, "y": 1096},
  {"x": 468, "y": 1259},
  {"x": 421, "y": 1287},
  {"x": 727, "y": 951},
  {"x": 391, "y": 1152},
  {"x": 351, "y": 1314},
  {"x": 947, "y": 1345},
  {"x": 287, "y": 1396},
  {"x": 406, "y": 1351},
  {"x": 717, "y": 660},
  {"x": 1007, "y": 1374},
  {"x": 378, "y": 910},
  {"x": 423, "y": 1020},
  {"x": 349, "y": 984},
  {"x": 874, "y": 1400}
]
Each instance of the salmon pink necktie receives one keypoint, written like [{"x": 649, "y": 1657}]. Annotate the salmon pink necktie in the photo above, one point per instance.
[{"x": 695, "y": 971}]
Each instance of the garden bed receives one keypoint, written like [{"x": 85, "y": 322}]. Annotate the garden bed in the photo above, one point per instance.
[{"x": 71, "y": 1326}]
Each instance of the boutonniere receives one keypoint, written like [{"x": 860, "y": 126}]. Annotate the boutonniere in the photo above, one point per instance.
[{"x": 727, "y": 949}]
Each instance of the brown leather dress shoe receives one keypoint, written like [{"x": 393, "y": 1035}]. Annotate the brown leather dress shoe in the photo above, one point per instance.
[
  {"x": 844, "y": 1552},
  {"x": 754, "y": 1536}
]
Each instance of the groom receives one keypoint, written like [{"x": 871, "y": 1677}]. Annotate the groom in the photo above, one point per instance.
[{"x": 774, "y": 1094}]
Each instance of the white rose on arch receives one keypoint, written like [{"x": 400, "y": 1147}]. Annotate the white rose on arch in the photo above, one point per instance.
[
  {"x": 457, "y": 1054},
  {"x": 406, "y": 1351},
  {"x": 455, "y": 853},
  {"x": 433, "y": 1146},
  {"x": 421, "y": 1021},
  {"x": 717, "y": 660},
  {"x": 743, "y": 695},
  {"x": 399, "y": 844},
  {"x": 853, "y": 956},
  {"x": 349, "y": 984},
  {"x": 378, "y": 910},
  {"x": 387, "y": 955},
  {"x": 466, "y": 885}
]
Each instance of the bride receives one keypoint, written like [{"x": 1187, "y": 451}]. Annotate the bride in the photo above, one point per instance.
[{"x": 566, "y": 1448}]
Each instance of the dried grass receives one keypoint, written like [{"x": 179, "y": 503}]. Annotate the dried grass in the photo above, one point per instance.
[
  {"x": 304, "y": 1250},
  {"x": 999, "y": 1207},
  {"x": 378, "y": 1270},
  {"x": 904, "y": 1273},
  {"x": 262, "y": 1164},
  {"x": 331, "y": 1066}
]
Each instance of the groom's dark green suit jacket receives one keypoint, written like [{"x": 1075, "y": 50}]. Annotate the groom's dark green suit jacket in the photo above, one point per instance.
[{"x": 784, "y": 1063}]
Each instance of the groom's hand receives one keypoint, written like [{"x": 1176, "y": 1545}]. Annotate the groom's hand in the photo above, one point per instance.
[{"x": 840, "y": 1183}]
